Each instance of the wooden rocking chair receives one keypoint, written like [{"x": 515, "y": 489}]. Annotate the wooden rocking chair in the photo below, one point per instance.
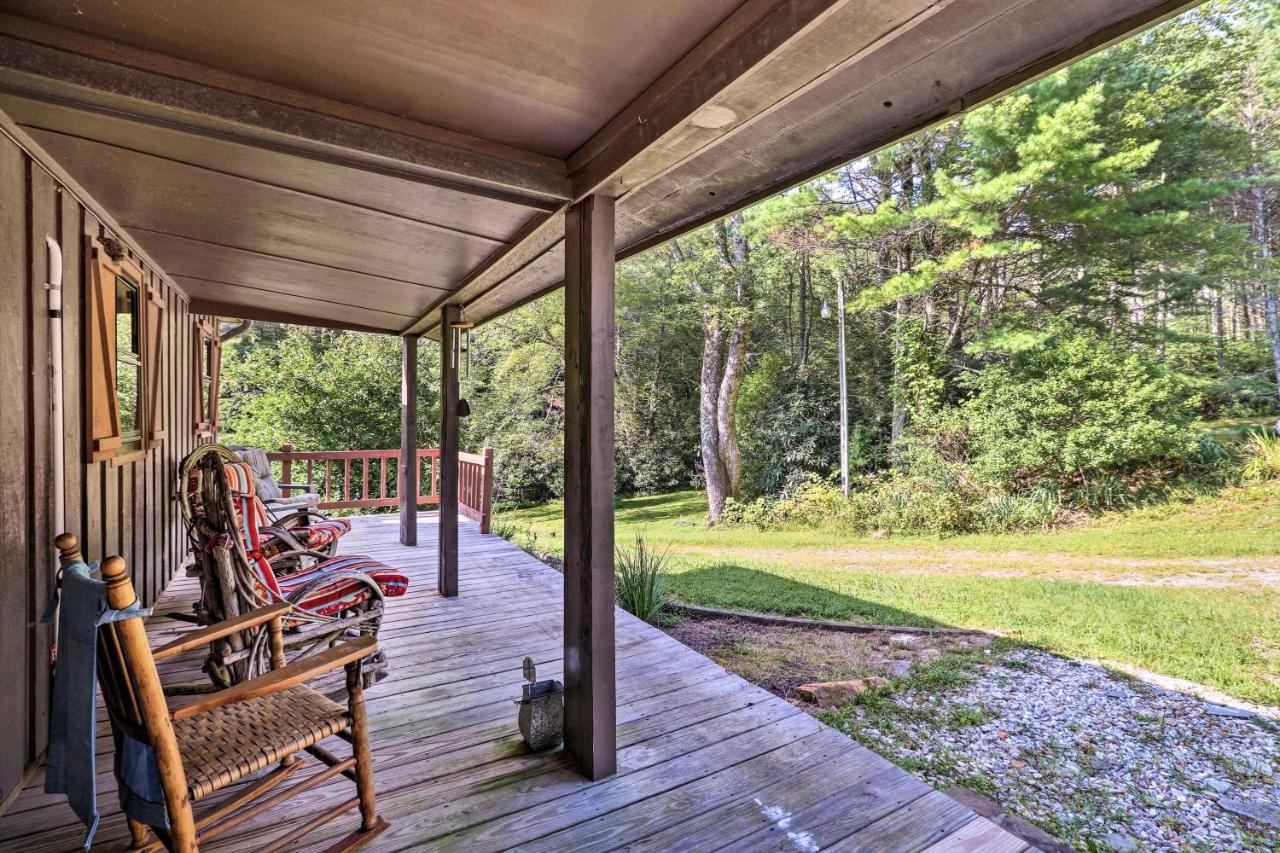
[{"x": 222, "y": 738}]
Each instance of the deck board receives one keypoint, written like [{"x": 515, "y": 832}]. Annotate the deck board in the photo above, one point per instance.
[{"x": 706, "y": 760}]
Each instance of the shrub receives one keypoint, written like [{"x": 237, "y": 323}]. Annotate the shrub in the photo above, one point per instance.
[
  {"x": 1077, "y": 409},
  {"x": 640, "y": 587},
  {"x": 1261, "y": 457}
]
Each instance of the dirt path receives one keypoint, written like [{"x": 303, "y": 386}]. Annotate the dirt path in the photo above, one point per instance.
[{"x": 1226, "y": 572}]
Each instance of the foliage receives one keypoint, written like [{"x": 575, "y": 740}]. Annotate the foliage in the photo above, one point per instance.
[
  {"x": 1262, "y": 457},
  {"x": 1074, "y": 409},
  {"x": 319, "y": 390},
  {"x": 640, "y": 580}
]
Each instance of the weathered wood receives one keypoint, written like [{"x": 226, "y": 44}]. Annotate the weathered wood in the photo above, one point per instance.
[
  {"x": 447, "y": 547},
  {"x": 407, "y": 478},
  {"x": 590, "y": 714},
  {"x": 15, "y": 583},
  {"x": 696, "y": 745}
]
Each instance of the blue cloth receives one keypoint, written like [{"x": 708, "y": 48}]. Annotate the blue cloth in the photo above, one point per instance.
[{"x": 72, "y": 725}]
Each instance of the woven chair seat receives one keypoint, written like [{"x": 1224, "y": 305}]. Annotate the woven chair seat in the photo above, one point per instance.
[{"x": 224, "y": 745}]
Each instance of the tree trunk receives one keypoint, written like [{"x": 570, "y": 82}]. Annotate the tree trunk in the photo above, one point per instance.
[
  {"x": 1262, "y": 236},
  {"x": 723, "y": 366},
  {"x": 708, "y": 415}
]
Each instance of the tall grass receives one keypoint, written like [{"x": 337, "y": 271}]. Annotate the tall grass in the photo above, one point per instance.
[
  {"x": 1261, "y": 457},
  {"x": 640, "y": 583}
]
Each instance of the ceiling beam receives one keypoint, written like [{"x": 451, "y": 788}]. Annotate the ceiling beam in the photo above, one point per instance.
[
  {"x": 683, "y": 100},
  {"x": 152, "y": 88}
]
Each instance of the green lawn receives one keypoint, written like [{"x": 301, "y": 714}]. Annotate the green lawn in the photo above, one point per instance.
[{"x": 1188, "y": 591}]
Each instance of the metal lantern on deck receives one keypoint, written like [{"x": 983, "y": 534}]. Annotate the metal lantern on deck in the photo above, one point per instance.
[{"x": 541, "y": 710}]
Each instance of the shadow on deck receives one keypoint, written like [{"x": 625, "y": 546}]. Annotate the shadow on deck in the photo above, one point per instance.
[{"x": 706, "y": 759}]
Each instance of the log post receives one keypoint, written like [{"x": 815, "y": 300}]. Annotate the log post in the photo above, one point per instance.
[
  {"x": 590, "y": 712},
  {"x": 447, "y": 572},
  {"x": 407, "y": 483}
]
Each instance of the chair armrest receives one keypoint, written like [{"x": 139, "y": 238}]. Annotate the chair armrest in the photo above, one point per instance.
[
  {"x": 196, "y": 639},
  {"x": 306, "y": 487},
  {"x": 290, "y": 675}
]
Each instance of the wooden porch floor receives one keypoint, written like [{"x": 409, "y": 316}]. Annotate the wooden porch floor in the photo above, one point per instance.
[{"x": 706, "y": 759}]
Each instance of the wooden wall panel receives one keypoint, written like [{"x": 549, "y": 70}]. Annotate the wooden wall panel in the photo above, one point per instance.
[
  {"x": 14, "y": 501},
  {"x": 122, "y": 509},
  {"x": 43, "y": 221}
]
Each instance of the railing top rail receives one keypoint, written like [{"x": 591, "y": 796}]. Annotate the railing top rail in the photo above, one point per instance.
[{"x": 304, "y": 455}]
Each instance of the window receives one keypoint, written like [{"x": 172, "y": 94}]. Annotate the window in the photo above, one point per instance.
[
  {"x": 124, "y": 319},
  {"x": 129, "y": 362}
]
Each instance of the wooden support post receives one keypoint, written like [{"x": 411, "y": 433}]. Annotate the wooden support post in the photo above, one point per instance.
[
  {"x": 407, "y": 484},
  {"x": 447, "y": 572},
  {"x": 590, "y": 718}
]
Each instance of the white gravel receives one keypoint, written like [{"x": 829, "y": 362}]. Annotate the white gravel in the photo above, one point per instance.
[{"x": 1099, "y": 761}]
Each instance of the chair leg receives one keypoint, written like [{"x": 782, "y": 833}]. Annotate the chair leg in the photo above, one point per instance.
[{"x": 360, "y": 747}]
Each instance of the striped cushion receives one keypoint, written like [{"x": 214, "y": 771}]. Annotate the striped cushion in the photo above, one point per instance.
[
  {"x": 343, "y": 592},
  {"x": 326, "y": 599}
]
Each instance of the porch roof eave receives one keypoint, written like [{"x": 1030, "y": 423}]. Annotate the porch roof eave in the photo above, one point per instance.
[{"x": 266, "y": 201}]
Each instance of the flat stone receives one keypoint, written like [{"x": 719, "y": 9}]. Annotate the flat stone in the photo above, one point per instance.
[
  {"x": 984, "y": 806},
  {"x": 833, "y": 694},
  {"x": 897, "y": 668},
  {"x": 1228, "y": 711},
  {"x": 1252, "y": 809},
  {"x": 979, "y": 642},
  {"x": 906, "y": 641},
  {"x": 1119, "y": 842},
  {"x": 1220, "y": 786}
]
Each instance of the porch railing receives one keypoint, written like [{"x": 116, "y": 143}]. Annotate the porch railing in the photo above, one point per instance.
[{"x": 365, "y": 479}]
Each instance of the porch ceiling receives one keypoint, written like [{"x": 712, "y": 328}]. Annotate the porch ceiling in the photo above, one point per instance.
[{"x": 358, "y": 167}]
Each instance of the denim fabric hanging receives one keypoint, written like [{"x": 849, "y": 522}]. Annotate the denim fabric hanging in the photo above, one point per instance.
[{"x": 72, "y": 726}]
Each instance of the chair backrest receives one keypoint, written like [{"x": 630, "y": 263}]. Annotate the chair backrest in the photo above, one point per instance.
[{"x": 268, "y": 488}]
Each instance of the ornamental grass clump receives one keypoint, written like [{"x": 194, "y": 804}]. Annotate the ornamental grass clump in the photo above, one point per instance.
[
  {"x": 1261, "y": 457},
  {"x": 640, "y": 585}
]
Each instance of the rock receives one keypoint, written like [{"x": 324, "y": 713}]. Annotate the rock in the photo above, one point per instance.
[
  {"x": 897, "y": 668},
  {"x": 1033, "y": 835},
  {"x": 984, "y": 806},
  {"x": 927, "y": 655},
  {"x": 1253, "y": 810},
  {"x": 1228, "y": 711},
  {"x": 906, "y": 641},
  {"x": 1119, "y": 842},
  {"x": 833, "y": 694},
  {"x": 979, "y": 642}
]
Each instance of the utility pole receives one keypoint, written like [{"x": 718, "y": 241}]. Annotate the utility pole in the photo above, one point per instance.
[{"x": 844, "y": 386}]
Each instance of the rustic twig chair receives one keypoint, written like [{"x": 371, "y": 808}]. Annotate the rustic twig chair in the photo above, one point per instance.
[
  {"x": 221, "y": 738},
  {"x": 303, "y": 529},
  {"x": 243, "y": 566}
]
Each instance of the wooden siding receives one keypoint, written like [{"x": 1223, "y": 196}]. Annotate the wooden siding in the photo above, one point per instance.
[{"x": 115, "y": 508}]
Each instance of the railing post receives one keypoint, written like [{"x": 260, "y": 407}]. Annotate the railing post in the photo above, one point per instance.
[
  {"x": 286, "y": 464},
  {"x": 486, "y": 494}
]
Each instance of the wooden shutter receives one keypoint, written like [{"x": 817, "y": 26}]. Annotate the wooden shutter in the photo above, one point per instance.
[
  {"x": 102, "y": 423},
  {"x": 206, "y": 403},
  {"x": 152, "y": 359}
]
